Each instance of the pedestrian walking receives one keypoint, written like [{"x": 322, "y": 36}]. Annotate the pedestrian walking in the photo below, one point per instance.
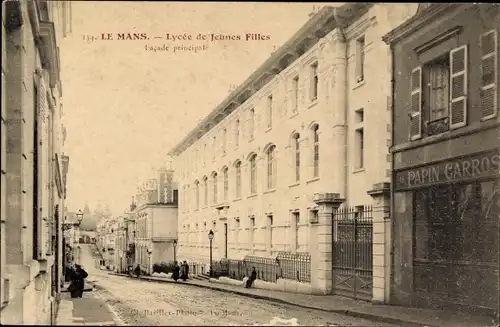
[
  {"x": 176, "y": 272},
  {"x": 184, "y": 271},
  {"x": 77, "y": 281},
  {"x": 251, "y": 279}
]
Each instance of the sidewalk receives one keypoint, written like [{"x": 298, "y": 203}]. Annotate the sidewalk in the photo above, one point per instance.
[
  {"x": 86, "y": 311},
  {"x": 405, "y": 316}
]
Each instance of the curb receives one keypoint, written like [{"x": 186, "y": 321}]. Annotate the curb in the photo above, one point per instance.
[
  {"x": 116, "y": 317},
  {"x": 356, "y": 314}
]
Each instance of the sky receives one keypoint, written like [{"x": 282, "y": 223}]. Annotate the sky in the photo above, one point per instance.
[{"x": 125, "y": 107}]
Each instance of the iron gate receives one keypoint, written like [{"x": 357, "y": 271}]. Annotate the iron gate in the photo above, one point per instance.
[{"x": 352, "y": 235}]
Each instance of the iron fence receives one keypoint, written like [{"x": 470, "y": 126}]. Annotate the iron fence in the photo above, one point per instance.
[
  {"x": 352, "y": 261},
  {"x": 295, "y": 266},
  {"x": 286, "y": 266}
]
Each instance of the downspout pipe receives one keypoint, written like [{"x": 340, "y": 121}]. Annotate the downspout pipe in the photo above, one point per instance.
[{"x": 391, "y": 201}]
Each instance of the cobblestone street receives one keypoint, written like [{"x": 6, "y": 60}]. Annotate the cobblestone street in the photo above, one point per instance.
[{"x": 145, "y": 303}]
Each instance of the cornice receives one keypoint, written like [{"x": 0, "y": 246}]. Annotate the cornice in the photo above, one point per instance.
[{"x": 418, "y": 20}]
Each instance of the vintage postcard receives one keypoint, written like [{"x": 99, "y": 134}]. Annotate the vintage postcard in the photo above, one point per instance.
[{"x": 250, "y": 163}]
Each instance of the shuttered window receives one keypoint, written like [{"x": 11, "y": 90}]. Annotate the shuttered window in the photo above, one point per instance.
[
  {"x": 458, "y": 87},
  {"x": 489, "y": 46},
  {"x": 416, "y": 104}
]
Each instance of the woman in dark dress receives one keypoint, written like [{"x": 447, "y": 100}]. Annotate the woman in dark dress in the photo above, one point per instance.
[
  {"x": 77, "y": 282},
  {"x": 175, "y": 273},
  {"x": 251, "y": 279}
]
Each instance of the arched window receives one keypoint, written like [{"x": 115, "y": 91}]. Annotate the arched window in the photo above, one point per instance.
[
  {"x": 237, "y": 133},
  {"x": 252, "y": 123},
  {"x": 197, "y": 195},
  {"x": 205, "y": 189},
  {"x": 315, "y": 134},
  {"x": 271, "y": 167},
  {"x": 226, "y": 183},
  {"x": 214, "y": 181},
  {"x": 253, "y": 174},
  {"x": 237, "y": 168},
  {"x": 296, "y": 141},
  {"x": 224, "y": 141}
]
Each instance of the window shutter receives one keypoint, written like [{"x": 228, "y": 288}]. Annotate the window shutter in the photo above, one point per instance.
[
  {"x": 489, "y": 71},
  {"x": 458, "y": 87},
  {"x": 416, "y": 104}
]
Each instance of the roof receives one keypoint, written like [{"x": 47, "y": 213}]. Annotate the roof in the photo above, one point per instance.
[
  {"x": 426, "y": 12},
  {"x": 322, "y": 23}
]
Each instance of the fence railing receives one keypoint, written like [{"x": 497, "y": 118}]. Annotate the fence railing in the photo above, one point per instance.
[{"x": 286, "y": 266}]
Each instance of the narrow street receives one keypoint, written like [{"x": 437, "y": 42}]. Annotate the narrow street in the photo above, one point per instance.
[{"x": 145, "y": 303}]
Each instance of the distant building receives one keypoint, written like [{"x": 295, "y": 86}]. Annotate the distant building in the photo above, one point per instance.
[{"x": 155, "y": 218}]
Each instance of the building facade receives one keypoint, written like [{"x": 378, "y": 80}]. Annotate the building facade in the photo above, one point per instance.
[
  {"x": 32, "y": 168},
  {"x": 446, "y": 158},
  {"x": 155, "y": 215},
  {"x": 308, "y": 131}
]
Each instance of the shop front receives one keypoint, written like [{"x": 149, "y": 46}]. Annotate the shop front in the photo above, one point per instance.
[{"x": 446, "y": 239}]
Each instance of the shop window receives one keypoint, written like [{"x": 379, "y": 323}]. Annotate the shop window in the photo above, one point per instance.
[{"x": 450, "y": 222}]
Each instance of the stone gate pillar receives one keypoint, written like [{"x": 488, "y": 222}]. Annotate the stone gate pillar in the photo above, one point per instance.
[
  {"x": 321, "y": 241},
  {"x": 381, "y": 242}
]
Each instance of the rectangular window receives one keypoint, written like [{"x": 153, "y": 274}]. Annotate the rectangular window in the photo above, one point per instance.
[
  {"x": 237, "y": 133},
  {"x": 316, "y": 151},
  {"x": 314, "y": 82},
  {"x": 360, "y": 59},
  {"x": 439, "y": 94},
  {"x": 295, "y": 94},
  {"x": 270, "y": 111},
  {"x": 296, "y": 220},
  {"x": 270, "y": 231},
  {"x": 359, "y": 148},
  {"x": 489, "y": 74}
]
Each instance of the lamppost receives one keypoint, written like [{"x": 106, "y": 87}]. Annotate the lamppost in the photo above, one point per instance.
[
  {"x": 211, "y": 237},
  {"x": 149, "y": 259},
  {"x": 76, "y": 231},
  {"x": 175, "y": 246}
]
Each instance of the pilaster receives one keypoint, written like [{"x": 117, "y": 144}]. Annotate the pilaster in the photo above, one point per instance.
[
  {"x": 339, "y": 111},
  {"x": 381, "y": 242},
  {"x": 321, "y": 250}
]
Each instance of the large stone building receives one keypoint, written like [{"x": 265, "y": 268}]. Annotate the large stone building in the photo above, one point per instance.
[
  {"x": 155, "y": 215},
  {"x": 309, "y": 130},
  {"x": 446, "y": 159},
  {"x": 32, "y": 162}
]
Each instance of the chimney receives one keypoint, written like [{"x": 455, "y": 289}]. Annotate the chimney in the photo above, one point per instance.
[{"x": 313, "y": 12}]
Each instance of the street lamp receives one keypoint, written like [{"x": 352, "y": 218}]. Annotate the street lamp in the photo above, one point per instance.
[
  {"x": 149, "y": 251},
  {"x": 79, "y": 216},
  {"x": 210, "y": 237},
  {"x": 175, "y": 246}
]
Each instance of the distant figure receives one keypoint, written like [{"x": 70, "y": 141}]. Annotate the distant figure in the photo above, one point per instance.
[
  {"x": 77, "y": 282},
  {"x": 251, "y": 279},
  {"x": 137, "y": 271},
  {"x": 176, "y": 272},
  {"x": 184, "y": 271}
]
